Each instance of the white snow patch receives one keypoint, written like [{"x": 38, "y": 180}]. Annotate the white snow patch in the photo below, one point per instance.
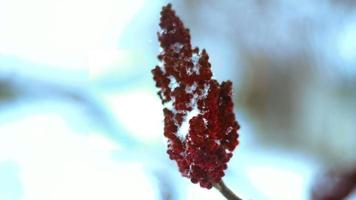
[
  {"x": 169, "y": 105},
  {"x": 206, "y": 90},
  {"x": 173, "y": 84},
  {"x": 163, "y": 31},
  {"x": 195, "y": 58},
  {"x": 172, "y": 31},
  {"x": 184, "y": 128},
  {"x": 190, "y": 89},
  {"x": 205, "y": 121},
  {"x": 196, "y": 67},
  {"x": 176, "y": 47},
  {"x": 161, "y": 65}
]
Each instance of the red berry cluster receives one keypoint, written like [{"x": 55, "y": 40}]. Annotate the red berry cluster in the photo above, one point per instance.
[{"x": 199, "y": 121}]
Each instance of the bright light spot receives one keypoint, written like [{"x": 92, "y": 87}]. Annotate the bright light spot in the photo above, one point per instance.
[
  {"x": 347, "y": 43},
  {"x": 10, "y": 185},
  {"x": 140, "y": 111},
  {"x": 57, "y": 163},
  {"x": 194, "y": 191},
  {"x": 104, "y": 63},
  {"x": 101, "y": 143},
  {"x": 64, "y": 33},
  {"x": 276, "y": 183},
  {"x": 280, "y": 176}
]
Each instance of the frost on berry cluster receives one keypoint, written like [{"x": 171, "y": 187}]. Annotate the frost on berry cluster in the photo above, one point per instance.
[{"x": 199, "y": 121}]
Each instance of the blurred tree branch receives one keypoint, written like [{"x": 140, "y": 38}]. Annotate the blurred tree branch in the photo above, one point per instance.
[{"x": 24, "y": 88}]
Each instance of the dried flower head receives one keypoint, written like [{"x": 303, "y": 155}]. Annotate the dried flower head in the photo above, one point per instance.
[{"x": 199, "y": 121}]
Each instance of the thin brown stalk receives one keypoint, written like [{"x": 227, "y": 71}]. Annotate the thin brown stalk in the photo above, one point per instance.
[{"x": 224, "y": 190}]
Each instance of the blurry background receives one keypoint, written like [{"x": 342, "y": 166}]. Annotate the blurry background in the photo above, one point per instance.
[{"x": 80, "y": 119}]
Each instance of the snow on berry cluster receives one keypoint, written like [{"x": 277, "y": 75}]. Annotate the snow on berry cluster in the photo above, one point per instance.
[{"x": 199, "y": 121}]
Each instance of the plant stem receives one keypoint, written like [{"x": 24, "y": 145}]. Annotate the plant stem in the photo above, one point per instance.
[{"x": 224, "y": 190}]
